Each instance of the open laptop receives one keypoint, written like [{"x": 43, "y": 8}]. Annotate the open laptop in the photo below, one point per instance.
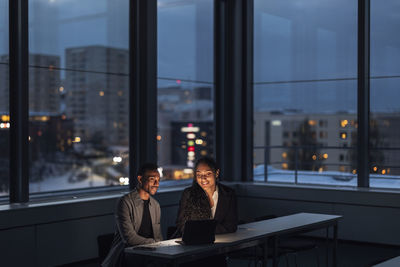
[{"x": 198, "y": 232}]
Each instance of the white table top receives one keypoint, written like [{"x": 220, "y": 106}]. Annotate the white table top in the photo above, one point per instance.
[{"x": 248, "y": 235}]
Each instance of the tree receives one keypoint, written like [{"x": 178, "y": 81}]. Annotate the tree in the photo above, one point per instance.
[{"x": 305, "y": 147}]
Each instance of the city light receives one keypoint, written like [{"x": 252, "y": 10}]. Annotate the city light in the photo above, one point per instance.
[
  {"x": 190, "y": 136},
  {"x": 312, "y": 122},
  {"x": 5, "y": 118},
  {"x": 158, "y": 137},
  {"x": 188, "y": 171},
  {"x": 314, "y": 157},
  {"x": 284, "y": 166},
  {"x": 354, "y": 171},
  {"x": 191, "y": 148},
  {"x": 77, "y": 139},
  {"x": 375, "y": 168},
  {"x": 276, "y": 123},
  {"x": 191, "y": 154},
  {"x": 117, "y": 159},
  {"x": 61, "y": 89},
  {"x": 160, "y": 171},
  {"x": 190, "y": 129},
  {"x": 383, "y": 171},
  {"x": 343, "y": 135},
  {"x": 203, "y": 153},
  {"x": 190, "y": 143},
  {"x": 284, "y": 155},
  {"x": 178, "y": 81},
  {"x": 123, "y": 180},
  {"x": 325, "y": 156},
  {"x": 199, "y": 141},
  {"x": 344, "y": 123},
  {"x": 101, "y": 93}
]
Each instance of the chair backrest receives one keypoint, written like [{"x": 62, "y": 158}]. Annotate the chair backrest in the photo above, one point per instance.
[{"x": 104, "y": 243}]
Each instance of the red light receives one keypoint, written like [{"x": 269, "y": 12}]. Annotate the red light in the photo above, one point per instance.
[
  {"x": 178, "y": 81},
  {"x": 190, "y": 124},
  {"x": 191, "y": 148}
]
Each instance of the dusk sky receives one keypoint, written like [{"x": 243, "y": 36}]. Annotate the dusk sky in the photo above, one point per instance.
[{"x": 295, "y": 40}]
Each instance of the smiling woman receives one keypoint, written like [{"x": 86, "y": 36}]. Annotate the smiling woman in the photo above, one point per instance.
[{"x": 208, "y": 199}]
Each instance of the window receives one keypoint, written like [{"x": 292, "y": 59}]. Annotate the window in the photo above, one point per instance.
[
  {"x": 4, "y": 100},
  {"x": 185, "y": 85},
  {"x": 305, "y": 73},
  {"x": 78, "y": 94},
  {"x": 385, "y": 82}
]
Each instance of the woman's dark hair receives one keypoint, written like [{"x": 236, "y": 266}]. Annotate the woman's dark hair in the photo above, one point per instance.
[{"x": 210, "y": 162}]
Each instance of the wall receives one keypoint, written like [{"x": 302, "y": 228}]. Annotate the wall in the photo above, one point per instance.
[
  {"x": 368, "y": 215},
  {"x": 54, "y": 233}
]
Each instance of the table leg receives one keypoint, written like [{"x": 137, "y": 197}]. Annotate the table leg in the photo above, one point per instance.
[
  {"x": 265, "y": 252},
  {"x": 335, "y": 236},
  {"x": 327, "y": 246},
  {"x": 275, "y": 252}
]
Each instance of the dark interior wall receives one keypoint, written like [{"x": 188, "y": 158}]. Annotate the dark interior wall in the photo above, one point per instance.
[
  {"x": 368, "y": 215},
  {"x": 66, "y": 231}
]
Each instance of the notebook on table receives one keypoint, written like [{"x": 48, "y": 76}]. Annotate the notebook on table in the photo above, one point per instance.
[{"x": 198, "y": 232}]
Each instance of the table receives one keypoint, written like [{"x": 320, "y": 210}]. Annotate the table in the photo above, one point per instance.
[
  {"x": 247, "y": 235},
  {"x": 395, "y": 262}
]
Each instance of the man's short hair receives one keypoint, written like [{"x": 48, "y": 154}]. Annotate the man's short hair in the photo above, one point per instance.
[{"x": 147, "y": 167}]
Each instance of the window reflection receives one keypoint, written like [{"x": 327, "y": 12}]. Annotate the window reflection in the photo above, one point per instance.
[
  {"x": 185, "y": 85},
  {"x": 78, "y": 94},
  {"x": 385, "y": 81},
  {"x": 305, "y": 69}
]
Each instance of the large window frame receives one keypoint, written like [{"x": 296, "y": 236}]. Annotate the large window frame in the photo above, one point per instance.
[{"x": 233, "y": 78}]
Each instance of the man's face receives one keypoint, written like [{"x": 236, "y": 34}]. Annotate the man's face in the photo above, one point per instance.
[{"x": 150, "y": 181}]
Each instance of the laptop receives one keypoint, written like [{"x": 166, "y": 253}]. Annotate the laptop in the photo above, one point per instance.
[{"x": 198, "y": 232}]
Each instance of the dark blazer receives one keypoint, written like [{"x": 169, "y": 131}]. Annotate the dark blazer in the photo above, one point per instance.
[
  {"x": 194, "y": 205},
  {"x": 128, "y": 218}
]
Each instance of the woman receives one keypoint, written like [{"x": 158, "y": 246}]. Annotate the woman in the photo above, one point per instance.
[{"x": 208, "y": 199}]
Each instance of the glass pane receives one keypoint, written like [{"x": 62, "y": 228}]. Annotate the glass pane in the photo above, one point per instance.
[
  {"x": 78, "y": 94},
  {"x": 385, "y": 84},
  {"x": 185, "y": 85},
  {"x": 305, "y": 91},
  {"x": 4, "y": 100}
]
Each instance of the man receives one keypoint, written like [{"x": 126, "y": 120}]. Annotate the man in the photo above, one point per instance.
[{"x": 137, "y": 216}]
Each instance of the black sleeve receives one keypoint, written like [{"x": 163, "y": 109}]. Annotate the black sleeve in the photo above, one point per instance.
[{"x": 230, "y": 222}]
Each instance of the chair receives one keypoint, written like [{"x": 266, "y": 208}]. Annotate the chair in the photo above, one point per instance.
[{"x": 104, "y": 243}]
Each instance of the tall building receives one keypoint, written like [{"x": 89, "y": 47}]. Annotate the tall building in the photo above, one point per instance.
[
  {"x": 97, "y": 93},
  {"x": 44, "y": 83}
]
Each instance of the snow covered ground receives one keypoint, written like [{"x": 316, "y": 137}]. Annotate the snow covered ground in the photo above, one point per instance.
[
  {"x": 330, "y": 178},
  {"x": 70, "y": 181}
]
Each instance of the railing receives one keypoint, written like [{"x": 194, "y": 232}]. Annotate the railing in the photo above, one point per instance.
[{"x": 305, "y": 167}]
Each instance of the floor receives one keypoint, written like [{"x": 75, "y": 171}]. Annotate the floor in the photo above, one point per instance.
[{"x": 350, "y": 254}]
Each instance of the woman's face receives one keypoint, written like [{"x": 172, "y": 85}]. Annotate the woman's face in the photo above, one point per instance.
[{"x": 206, "y": 177}]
